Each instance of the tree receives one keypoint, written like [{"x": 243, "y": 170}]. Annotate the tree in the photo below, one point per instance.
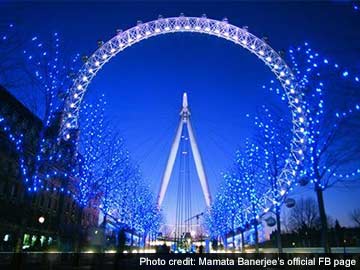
[
  {"x": 248, "y": 170},
  {"x": 107, "y": 173},
  {"x": 90, "y": 170},
  {"x": 12, "y": 63},
  {"x": 331, "y": 128},
  {"x": 227, "y": 213},
  {"x": 44, "y": 69},
  {"x": 44, "y": 158},
  {"x": 304, "y": 216},
  {"x": 150, "y": 217},
  {"x": 238, "y": 202},
  {"x": 135, "y": 206},
  {"x": 216, "y": 218},
  {"x": 272, "y": 135},
  {"x": 355, "y": 216}
]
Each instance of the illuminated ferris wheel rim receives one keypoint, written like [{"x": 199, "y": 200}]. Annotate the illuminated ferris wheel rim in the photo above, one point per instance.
[{"x": 203, "y": 25}]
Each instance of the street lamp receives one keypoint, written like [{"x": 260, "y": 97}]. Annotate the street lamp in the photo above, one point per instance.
[{"x": 41, "y": 220}]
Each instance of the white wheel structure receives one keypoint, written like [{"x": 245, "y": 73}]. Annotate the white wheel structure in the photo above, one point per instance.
[{"x": 202, "y": 25}]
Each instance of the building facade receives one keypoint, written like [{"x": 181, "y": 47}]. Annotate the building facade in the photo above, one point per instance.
[{"x": 48, "y": 218}]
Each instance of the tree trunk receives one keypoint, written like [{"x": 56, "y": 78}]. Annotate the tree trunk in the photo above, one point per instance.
[
  {"x": 233, "y": 239},
  {"x": 132, "y": 238},
  {"x": 323, "y": 220},
  {"x": 77, "y": 246},
  {"x": 59, "y": 215},
  {"x": 278, "y": 231},
  {"x": 242, "y": 241},
  {"x": 256, "y": 237},
  {"x": 77, "y": 240},
  {"x": 233, "y": 232},
  {"x": 225, "y": 241},
  {"x": 104, "y": 231},
  {"x": 144, "y": 238},
  {"x": 121, "y": 240}
]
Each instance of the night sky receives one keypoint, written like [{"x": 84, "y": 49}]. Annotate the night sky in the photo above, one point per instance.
[{"x": 144, "y": 84}]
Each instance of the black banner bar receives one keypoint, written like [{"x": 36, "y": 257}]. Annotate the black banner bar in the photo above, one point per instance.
[{"x": 228, "y": 261}]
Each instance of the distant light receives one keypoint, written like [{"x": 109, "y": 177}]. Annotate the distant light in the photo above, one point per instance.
[
  {"x": 6, "y": 237},
  {"x": 41, "y": 220},
  {"x": 345, "y": 73}
]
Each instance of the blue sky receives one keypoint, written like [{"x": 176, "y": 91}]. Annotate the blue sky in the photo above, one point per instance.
[{"x": 144, "y": 84}]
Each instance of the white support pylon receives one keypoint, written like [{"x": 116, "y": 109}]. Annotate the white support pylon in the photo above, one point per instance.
[{"x": 184, "y": 120}]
